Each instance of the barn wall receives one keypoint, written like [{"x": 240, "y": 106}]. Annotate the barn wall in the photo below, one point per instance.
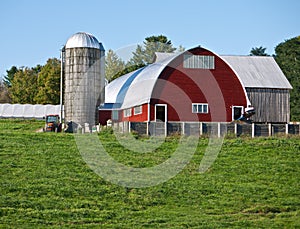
[
  {"x": 136, "y": 118},
  {"x": 271, "y": 105},
  {"x": 104, "y": 115},
  {"x": 179, "y": 87}
]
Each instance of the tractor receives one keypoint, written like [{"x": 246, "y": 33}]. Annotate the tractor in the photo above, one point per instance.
[{"x": 53, "y": 123}]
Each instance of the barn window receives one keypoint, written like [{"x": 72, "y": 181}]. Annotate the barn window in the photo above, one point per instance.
[
  {"x": 137, "y": 110},
  {"x": 115, "y": 115},
  {"x": 199, "y": 61},
  {"x": 127, "y": 112},
  {"x": 200, "y": 108}
]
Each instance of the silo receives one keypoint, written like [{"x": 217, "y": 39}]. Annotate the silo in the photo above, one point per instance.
[{"x": 84, "y": 79}]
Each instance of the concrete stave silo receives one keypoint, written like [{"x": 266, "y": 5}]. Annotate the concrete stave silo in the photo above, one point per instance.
[{"x": 84, "y": 63}]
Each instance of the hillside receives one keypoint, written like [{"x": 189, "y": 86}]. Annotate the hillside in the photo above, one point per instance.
[{"x": 46, "y": 183}]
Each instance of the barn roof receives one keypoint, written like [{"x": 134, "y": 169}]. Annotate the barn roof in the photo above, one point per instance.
[
  {"x": 135, "y": 88},
  {"x": 258, "y": 71}
]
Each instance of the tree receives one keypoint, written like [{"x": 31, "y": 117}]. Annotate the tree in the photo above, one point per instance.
[
  {"x": 287, "y": 55},
  {"x": 48, "y": 83},
  {"x": 180, "y": 48},
  {"x": 4, "y": 95},
  {"x": 113, "y": 65},
  {"x": 23, "y": 87},
  {"x": 10, "y": 76},
  {"x": 258, "y": 51},
  {"x": 144, "y": 55}
]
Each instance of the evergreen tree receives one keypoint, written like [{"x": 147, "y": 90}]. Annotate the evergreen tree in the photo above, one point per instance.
[
  {"x": 23, "y": 87},
  {"x": 10, "y": 76},
  {"x": 287, "y": 55},
  {"x": 145, "y": 54},
  {"x": 180, "y": 49},
  {"x": 113, "y": 65},
  {"x": 258, "y": 51}
]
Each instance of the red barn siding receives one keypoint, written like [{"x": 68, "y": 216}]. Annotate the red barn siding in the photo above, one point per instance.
[
  {"x": 104, "y": 115},
  {"x": 136, "y": 118},
  {"x": 181, "y": 87}
]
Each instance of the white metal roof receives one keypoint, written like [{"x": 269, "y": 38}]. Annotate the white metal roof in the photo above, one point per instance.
[
  {"x": 83, "y": 40},
  {"x": 37, "y": 111},
  {"x": 135, "y": 88},
  {"x": 258, "y": 71}
]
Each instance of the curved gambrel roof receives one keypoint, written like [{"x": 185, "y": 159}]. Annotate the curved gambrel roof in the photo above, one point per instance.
[{"x": 136, "y": 88}]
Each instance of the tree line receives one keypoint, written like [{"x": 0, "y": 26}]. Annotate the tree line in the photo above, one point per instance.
[{"x": 41, "y": 84}]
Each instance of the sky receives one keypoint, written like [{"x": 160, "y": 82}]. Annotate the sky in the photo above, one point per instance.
[{"x": 31, "y": 31}]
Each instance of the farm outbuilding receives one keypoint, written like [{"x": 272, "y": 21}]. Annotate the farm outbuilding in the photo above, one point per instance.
[
  {"x": 198, "y": 85},
  {"x": 83, "y": 69},
  {"x": 27, "y": 111}
]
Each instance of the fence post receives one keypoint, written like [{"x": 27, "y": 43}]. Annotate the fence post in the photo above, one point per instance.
[
  {"x": 253, "y": 130},
  {"x": 219, "y": 129},
  {"x": 270, "y": 129},
  {"x": 201, "y": 128},
  {"x": 235, "y": 129},
  {"x": 183, "y": 128},
  {"x": 286, "y": 128}
]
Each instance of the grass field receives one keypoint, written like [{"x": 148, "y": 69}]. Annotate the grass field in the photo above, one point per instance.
[{"x": 254, "y": 183}]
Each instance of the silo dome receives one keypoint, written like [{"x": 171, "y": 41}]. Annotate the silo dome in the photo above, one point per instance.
[{"x": 83, "y": 40}]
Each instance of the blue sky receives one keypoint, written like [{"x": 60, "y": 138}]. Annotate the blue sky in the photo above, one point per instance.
[{"x": 33, "y": 31}]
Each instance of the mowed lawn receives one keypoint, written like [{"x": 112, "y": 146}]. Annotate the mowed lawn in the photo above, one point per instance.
[{"x": 44, "y": 182}]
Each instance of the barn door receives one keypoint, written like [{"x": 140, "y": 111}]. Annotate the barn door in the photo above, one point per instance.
[
  {"x": 160, "y": 119},
  {"x": 237, "y": 112},
  {"x": 160, "y": 112}
]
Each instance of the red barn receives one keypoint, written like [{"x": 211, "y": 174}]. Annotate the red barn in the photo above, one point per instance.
[{"x": 193, "y": 86}]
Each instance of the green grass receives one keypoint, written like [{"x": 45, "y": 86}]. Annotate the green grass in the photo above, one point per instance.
[{"x": 44, "y": 182}]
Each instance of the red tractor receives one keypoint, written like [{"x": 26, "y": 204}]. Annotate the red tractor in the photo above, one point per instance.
[{"x": 53, "y": 123}]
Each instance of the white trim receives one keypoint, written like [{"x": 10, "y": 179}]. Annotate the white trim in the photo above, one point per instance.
[
  {"x": 148, "y": 115},
  {"x": 239, "y": 78},
  {"x": 137, "y": 113},
  {"x": 232, "y": 111},
  {"x": 125, "y": 115},
  {"x": 202, "y": 104},
  {"x": 166, "y": 112}
]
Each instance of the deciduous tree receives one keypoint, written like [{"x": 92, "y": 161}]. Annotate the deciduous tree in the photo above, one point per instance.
[
  {"x": 48, "y": 83},
  {"x": 287, "y": 55}
]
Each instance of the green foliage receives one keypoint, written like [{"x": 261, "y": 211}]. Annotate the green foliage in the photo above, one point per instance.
[
  {"x": 142, "y": 56},
  {"x": 145, "y": 54},
  {"x": 48, "y": 83},
  {"x": 258, "y": 51},
  {"x": 254, "y": 183},
  {"x": 10, "y": 76},
  {"x": 287, "y": 55},
  {"x": 40, "y": 84},
  {"x": 23, "y": 87},
  {"x": 113, "y": 65}
]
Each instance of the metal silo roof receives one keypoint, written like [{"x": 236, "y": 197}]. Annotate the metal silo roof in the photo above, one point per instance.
[{"x": 83, "y": 40}]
